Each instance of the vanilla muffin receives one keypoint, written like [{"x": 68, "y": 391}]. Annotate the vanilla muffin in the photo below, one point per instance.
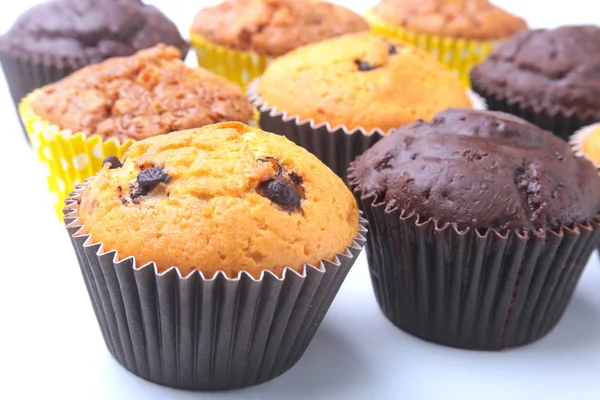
[
  {"x": 225, "y": 246},
  {"x": 220, "y": 198},
  {"x": 237, "y": 38},
  {"x": 586, "y": 142},
  {"x": 99, "y": 110},
  {"x": 459, "y": 32},
  {"x": 360, "y": 83}
]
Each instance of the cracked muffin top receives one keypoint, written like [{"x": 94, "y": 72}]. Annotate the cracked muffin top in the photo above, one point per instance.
[
  {"x": 82, "y": 32},
  {"x": 479, "y": 169},
  {"x": 274, "y": 27},
  {"x": 224, "y": 197},
  {"x": 360, "y": 80},
  {"x": 557, "y": 69},
  {"x": 148, "y": 94},
  {"x": 465, "y": 19}
]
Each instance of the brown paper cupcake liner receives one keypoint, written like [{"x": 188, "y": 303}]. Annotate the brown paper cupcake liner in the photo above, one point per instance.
[
  {"x": 24, "y": 74},
  {"x": 202, "y": 333},
  {"x": 336, "y": 146},
  {"x": 563, "y": 123},
  {"x": 472, "y": 289}
]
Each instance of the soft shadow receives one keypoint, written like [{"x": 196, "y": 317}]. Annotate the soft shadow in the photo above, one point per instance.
[
  {"x": 578, "y": 329},
  {"x": 329, "y": 363}
]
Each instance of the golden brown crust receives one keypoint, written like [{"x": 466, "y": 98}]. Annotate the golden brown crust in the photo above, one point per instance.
[
  {"x": 324, "y": 82},
  {"x": 274, "y": 27},
  {"x": 466, "y": 19},
  {"x": 210, "y": 214},
  {"x": 150, "y": 93}
]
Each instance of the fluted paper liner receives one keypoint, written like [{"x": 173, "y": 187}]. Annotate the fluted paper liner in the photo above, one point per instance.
[
  {"x": 336, "y": 146},
  {"x": 562, "y": 122},
  {"x": 460, "y": 55},
  {"x": 24, "y": 74},
  {"x": 240, "y": 67},
  {"x": 472, "y": 289},
  {"x": 203, "y": 333}
]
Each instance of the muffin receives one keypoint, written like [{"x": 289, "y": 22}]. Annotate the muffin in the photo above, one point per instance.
[
  {"x": 99, "y": 110},
  {"x": 460, "y": 33},
  {"x": 548, "y": 77},
  {"x": 338, "y": 97},
  {"x": 191, "y": 233},
  {"x": 238, "y": 38},
  {"x": 480, "y": 227},
  {"x": 55, "y": 38}
]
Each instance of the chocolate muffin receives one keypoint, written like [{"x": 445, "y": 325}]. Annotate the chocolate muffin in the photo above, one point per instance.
[
  {"x": 237, "y": 38},
  {"x": 55, "y": 38},
  {"x": 547, "y": 76},
  {"x": 195, "y": 234},
  {"x": 480, "y": 226},
  {"x": 99, "y": 110}
]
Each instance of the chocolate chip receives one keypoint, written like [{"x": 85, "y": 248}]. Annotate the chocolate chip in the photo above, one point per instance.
[
  {"x": 152, "y": 177},
  {"x": 112, "y": 162},
  {"x": 280, "y": 191},
  {"x": 392, "y": 49},
  {"x": 364, "y": 65}
]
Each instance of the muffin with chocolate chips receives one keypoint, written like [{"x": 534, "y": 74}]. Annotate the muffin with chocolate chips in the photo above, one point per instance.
[
  {"x": 481, "y": 225},
  {"x": 226, "y": 245},
  {"x": 238, "y": 38},
  {"x": 551, "y": 77},
  {"x": 100, "y": 110},
  {"x": 53, "y": 39},
  {"x": 460, "y": 33},
  {"x": 338, "y": 97}
]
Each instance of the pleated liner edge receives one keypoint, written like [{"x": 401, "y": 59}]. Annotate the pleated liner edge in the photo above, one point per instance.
[
  {"x": 205, "y": 334},
  {"x": 562, "y": 124},
  {"x": 473, "y": 289},
  {"x": 336, "y": 147}
]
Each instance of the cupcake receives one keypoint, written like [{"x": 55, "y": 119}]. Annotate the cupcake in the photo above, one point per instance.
[
  {"x": 238, "y": 38},
  {"x": 55, "y": 38},
  {"x": 99, "y": 110},
  {"x": 548, "y": 77},
  {"x": 338, "y": 97},
  {"x": 480, "y": 227},
  {"x": 459, "y": 33},
  {"x": 196, "y": 278}
]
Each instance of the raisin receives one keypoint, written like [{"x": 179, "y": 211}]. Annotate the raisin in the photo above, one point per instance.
[
  {"x": 364, "y": 65},
  {"x": 392, "y": 49},
  {"x": 281, "y": 192},
  {"x": 152, "y": 177},
  {"x": 112, "y": 162}
]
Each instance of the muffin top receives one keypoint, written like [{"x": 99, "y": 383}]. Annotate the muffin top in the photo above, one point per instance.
[
  {"x": 554, "y": 69},
  {"x": 479, "y": 169},
  {"x": 150, "y": 93},
  {"x": 360, "y": 80},
  {"x": 82, "y": 32},
  {"x": 465, "y": 19},
  {"x": 274, "y": 27},
  {"x": 224, "y": 197}
]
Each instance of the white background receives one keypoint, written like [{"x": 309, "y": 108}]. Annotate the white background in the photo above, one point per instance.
[{"x": 51, "y": 347}]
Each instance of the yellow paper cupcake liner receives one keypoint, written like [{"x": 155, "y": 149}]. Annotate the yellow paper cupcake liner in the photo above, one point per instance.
[
  {"x": 237, "y": 66},
  {"x": 460, "y": 55},
  {"x": 69, "y": 158}
]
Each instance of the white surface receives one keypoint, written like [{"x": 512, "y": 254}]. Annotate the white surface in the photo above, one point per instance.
[{"x": 51, "y": 347}]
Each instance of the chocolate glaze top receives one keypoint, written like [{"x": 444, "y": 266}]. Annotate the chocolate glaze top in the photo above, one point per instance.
[
  {"x": 89, "y": 31},
  {"x": 479, "y": 169},
  {"x": 558, "y": 68}
]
